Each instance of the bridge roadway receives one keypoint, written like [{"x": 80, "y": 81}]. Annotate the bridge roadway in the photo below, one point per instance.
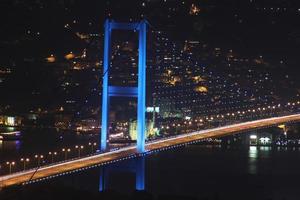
[{"x": 51, "y": 171}]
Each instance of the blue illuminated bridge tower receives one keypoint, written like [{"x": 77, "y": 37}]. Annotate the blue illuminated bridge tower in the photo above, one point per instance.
[{"x": 113, "y": 91}]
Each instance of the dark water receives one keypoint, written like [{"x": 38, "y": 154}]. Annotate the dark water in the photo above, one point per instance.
[
  {"x": 201, "y": 171},
  {"x": 41, "y": 141}
]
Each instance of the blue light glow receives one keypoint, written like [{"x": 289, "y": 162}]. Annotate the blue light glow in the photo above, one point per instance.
[{"x": 139, "y": 92}]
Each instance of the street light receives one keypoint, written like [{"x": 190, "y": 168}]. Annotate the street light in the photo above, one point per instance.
[
  {"x": 24, "y": 160},
  {"x": 39, "y": 158},
  {"x": 79, "y": 149},
  {"x": 52, "y": 154},
  {"x": 11, "y": 164},
  {"x": 66, "y": 152},
  {"x": 92, "y": 146}
]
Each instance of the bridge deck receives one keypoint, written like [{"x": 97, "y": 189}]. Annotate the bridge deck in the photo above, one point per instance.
[{"x": 105, "y": 158}]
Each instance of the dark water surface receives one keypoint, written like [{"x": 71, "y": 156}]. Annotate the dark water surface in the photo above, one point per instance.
[
  {"x": 41, "y": 141},
  {"x": 202, "y": 171}
]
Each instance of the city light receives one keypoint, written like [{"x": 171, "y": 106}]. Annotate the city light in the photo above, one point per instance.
[
  {"x": 70, "y": 56},
  {"x": 253, "y": 137},
  {"x": 51, "y": 59},
  {"x": 194, "y": 10}
]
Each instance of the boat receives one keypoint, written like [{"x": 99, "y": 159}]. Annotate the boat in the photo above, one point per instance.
[{"x": 15, "y": 135}]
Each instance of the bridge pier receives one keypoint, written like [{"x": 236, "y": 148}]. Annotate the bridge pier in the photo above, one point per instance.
[
  {"x": 138, "y": 168},
  {"x": 140, "y": 174},
  {"x": 102, "y": 179}
]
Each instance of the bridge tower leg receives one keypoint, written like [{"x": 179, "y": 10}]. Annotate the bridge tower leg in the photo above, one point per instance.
[
  {"x": 105, "y": 95},
  {"x": 139, "y": 91},
  {"x": 141, "y": 118}
]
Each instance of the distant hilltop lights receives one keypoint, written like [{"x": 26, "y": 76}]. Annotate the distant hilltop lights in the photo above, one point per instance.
[
  {"x": 194, "y": 10},
  {"x": 51, "y": 59},
  {"x": 68, "y": 56}
]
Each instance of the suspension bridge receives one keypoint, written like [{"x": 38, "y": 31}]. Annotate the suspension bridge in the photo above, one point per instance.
[{"x": 106, "y": 156}]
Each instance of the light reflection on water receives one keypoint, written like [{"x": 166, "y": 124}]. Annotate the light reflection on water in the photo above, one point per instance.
[
  {"x": 252, "y": 156},
  {"x": 198, "y": 170},
  {"x": 255, "y": 153},
  {"x": 13, "y": 145}
]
